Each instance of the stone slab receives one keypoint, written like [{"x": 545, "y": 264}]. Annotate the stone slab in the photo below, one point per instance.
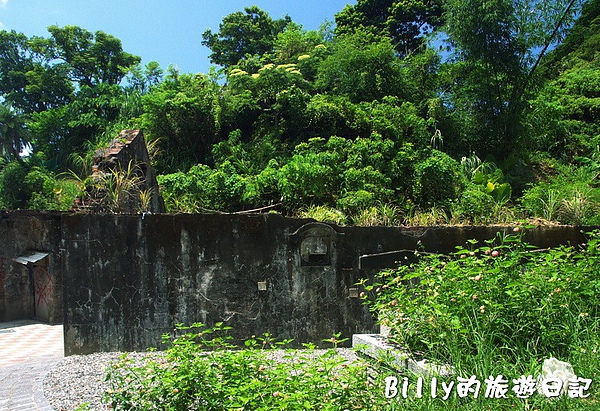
[{"x": 378, "y": 348}]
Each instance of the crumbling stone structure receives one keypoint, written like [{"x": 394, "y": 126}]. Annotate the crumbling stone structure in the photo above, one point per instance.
[{"x": 122, "y": 178}]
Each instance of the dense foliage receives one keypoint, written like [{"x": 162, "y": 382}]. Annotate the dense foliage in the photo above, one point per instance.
[
  {"x": 420, "y": 112},
  {"x": 498, "y": 307},
  {"x": 201, "y": 370},
  {"x": 447, "y": 296}
]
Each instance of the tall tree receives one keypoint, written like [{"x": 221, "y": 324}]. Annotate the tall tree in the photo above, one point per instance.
[
  {"x": 179, "y": 113},
  {"x": 565, "y": 119},
  {"x": 38, "y": 73},
  {"x": 252, "y": 32},
  {"x": 406, "y": 22},
  {"x": 92, "y": 59},
  {"x": 142, "y": 79},
  {"x": 67, "y": 85},
  {"x": 363, "y": 67},
  {"x": 293, "y": 42},
  {"x": 498, "y": 45},
  {"x": 581, "y": 45},
  {"x": 13, "y": 134},
  {"x": 29, "y": 79}
]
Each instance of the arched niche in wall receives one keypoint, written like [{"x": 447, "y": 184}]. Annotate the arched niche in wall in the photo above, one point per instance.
[{"x": 315, "y": 244}]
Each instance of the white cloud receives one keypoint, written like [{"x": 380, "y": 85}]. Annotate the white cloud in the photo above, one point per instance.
[{"x": 3, "y": 27}]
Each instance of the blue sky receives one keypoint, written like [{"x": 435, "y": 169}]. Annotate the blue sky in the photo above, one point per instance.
[{"x": 169, "y": 32}]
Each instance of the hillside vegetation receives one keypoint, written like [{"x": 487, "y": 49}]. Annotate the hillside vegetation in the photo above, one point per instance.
[{"x": 421, "y": 112}]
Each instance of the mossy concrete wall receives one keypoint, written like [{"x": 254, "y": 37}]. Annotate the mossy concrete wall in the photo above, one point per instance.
[
  {"x": 121, "y": 281},
  {"x": 129, "y": 279}
]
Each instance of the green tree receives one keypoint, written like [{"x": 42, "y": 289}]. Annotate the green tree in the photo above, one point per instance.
[
  {"x": 497, "y": 48},
  {"x": 363, "y": 67},
  {"x": 565, "y": 120},
  {"x": 29, "y": 80},
  {"x": 72, "y": 128},
  {"x": 28, "y": 184},
  {"x": 437, "y": 180},
  {"x": 180, "y": 114},
  {"x": 67, "y": 86},
  {"x": 242, "y": 34},
  {"x": 142, "y": 79},
  {"x": 13, "y": 133},
  {"x": 565, "y": 116},
  {"x": 270, "y": 101},
  {"x": 38, "y": 73},
  {"x": 581, "y": 45},
  {"x": 92, "y": 58},
  {"x": 406, "y": 22},
  {"x": 294, "y": 42}
]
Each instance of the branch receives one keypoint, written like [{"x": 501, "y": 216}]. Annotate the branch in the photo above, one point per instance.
[
  {"x": 518, "y": 92},
  {"x": 257, "y": 209}
]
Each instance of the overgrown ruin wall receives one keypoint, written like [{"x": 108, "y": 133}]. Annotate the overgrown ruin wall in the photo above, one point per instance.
[{"x": 127, "y": 279}]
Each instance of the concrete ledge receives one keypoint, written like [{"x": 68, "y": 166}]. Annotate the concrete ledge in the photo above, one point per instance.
[{"x": 377, "y": 347}]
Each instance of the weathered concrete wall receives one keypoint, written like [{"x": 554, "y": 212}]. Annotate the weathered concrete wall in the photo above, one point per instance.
[
  {"x": 30, "y": 289},
  {"x": 124, "y": 280},
  {"x": 129, "y": 279}
]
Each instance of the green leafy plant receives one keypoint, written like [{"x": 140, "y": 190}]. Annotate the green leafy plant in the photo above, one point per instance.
[
  {"x": 28, "y": 185},
  {"x": 427, "y": 217},
  {"x": 474, "y": 206},
  {"x": 145, "y": 200},
  {"x": 117, "y": 190},
  {"x": 493, "y": 185},
  {"x": 201, "y": 370},
  {"x": 570, "y": 197},
  {"x": 580, "y": 208},
  {"x": 437, "y": 180},
  {"x": 496, "y": 308},
  {"x": 521, "y": 300},
  {"x": 487, "y": 177},
  {"x": 383, "y": 214}
]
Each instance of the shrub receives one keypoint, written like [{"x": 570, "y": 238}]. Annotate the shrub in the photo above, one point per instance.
[
  {"x": 27, "y": 186},
  {"x": 307, "y": 179},
  {"x": 437, "y": 180},
  {"x": 570, "y": 197},
  {"x": 353, "y": 201},
  {"x": 542, "y": 200},
  {"x": 13, "y": 194},
  {"x": 580, "y": 208},
  {"x": 474, "y": 206},
  {"x": 203, "y": 188},
  {"x": 202, "y": 371},
  {"x": 495, "y": 296},
  {"x": 492, "y": 183}
]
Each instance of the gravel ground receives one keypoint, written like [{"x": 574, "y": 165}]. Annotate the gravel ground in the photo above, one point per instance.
[{"x": 79, "y": 379}]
